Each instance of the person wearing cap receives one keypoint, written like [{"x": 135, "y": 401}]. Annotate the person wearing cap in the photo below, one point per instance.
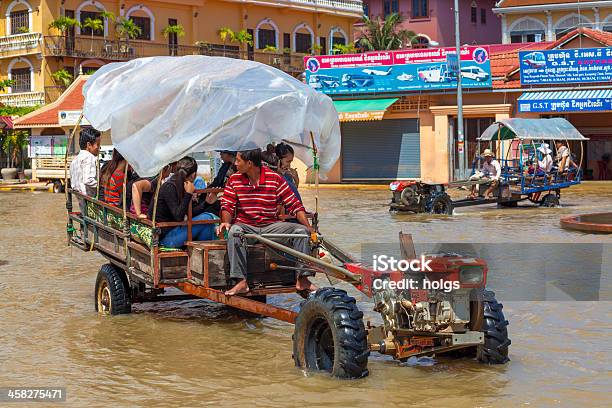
[
  {"x": 491, "y": 169},
  {"x": 228, "y": 157}
]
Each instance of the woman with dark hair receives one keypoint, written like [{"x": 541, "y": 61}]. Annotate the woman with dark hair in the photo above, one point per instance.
[
  {"x": 285, "y": 155},
  {"x": 173, "y": 204},
  {"x": 269, "y": 158},
  {"x": 112, "y": 176}
]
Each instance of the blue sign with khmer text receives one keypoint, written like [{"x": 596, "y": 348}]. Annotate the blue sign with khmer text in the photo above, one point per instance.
[{"x": 566, "y": 66}]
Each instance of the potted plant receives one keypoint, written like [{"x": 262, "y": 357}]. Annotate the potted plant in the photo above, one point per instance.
[
  {"x": 106, "y": 16},
  {"x": 63, "y": 24},
  {"x": 226, "y": 34},
  {"x": 94, "y": 25},
  {"x": 344, "y": 49},
  {"x": 244, "y": 38},
  {"x": 127, "y": 29},
  {"x": 270, "y": 48},
  {"x": 13, "y": 143},
  {"x": 63, "y": 77},
  {"x": 176, "y": 30},
  {"x": 316, "y": 49},
  {"x": 6, "y": 83}
]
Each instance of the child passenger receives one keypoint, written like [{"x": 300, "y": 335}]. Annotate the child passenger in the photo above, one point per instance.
[{"x": 112, "y": 177}]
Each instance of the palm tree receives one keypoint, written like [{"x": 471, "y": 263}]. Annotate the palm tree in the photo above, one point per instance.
[
  {"x": 226, "y": 34},
  {"x": 127, "y": 29},
  {"x": 243, "y": 37},
  {"x": 107, "y": 16},
  {"x": 176, "y": 30},
  {"x": 63, "y": 24},
  {"x": 385, "y": 35},
  {"x": 94, "y": 25}
]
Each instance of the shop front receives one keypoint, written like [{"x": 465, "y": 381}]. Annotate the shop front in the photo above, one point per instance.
[
  {"x": 582, "y": 95},
  {"x": 383, "y": 101}
]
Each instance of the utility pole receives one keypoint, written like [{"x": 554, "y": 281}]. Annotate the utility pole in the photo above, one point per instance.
[{"x": 460, "y": 138}]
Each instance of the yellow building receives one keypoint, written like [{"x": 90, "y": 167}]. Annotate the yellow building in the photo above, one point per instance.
[
  {"x": 548, "y": 20},
  {"x": 31, "y": 52}
]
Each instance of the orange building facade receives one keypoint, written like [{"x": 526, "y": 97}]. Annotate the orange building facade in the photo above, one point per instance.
[{"x": 32, "y": 53}]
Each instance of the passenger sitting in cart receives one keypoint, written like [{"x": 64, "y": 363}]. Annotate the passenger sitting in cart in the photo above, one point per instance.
[
  {"x": 143, "y": 190},
  {"x": 227, "y": 169},
  {"x": 112, "y": 176},
  {"x": 173, "y": 204},
  {"x": 490, "y": 172},
  {"x": 564, "y": 158},
  {"x": 250, "y": 202},
  {"x": 544, "y": 163}
]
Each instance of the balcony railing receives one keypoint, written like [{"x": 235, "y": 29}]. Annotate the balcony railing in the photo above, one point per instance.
[
  {"x": 23, "y": 99},
  {"x": 83, "y": 47},
  {"x": 355, "y": 6},
  {"x": 19, "y": 44}
]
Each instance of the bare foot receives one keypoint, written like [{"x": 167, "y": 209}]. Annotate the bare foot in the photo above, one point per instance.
[
  {"x": 239, "y": 288},
  {"x": 304, "y": 284}
]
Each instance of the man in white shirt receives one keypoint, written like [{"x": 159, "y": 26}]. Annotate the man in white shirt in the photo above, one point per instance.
[
  {"x": 84, "y": 169},
  {"x": 563, "y": 156},
  {"x": 491, "y": 169}
]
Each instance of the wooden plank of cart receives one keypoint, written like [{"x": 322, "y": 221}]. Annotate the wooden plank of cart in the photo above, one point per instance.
[{"x": 330, "y": 334}]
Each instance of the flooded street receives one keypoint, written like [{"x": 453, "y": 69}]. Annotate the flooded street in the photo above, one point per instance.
[{"x": 195, "y": 353}]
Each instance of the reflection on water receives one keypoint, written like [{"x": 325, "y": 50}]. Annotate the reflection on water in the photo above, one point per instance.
[{"x": 191, "y": 353}]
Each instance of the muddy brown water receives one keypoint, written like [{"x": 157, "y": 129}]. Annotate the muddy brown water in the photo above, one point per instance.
[{"x": 195, "y": 353}]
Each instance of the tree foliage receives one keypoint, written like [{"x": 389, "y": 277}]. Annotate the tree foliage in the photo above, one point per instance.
[{"x": 385, "y": 35}]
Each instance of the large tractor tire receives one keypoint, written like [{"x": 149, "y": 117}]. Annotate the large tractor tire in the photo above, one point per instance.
[
  {"x": 494, "y": 325},
  {"x": 330, "y": 335},
  {"x": 439, "y": 203},
  {"x": 112, "y": 295}
]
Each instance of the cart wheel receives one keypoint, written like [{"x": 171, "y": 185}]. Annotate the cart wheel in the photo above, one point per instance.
[
  {"x": 439, "y": 203},
  {"x": 495, "y": 348},
  {"x": 58, "y": 187},
  {"x": 550, "y": 200},
  {"x": 330, "y": 336},
  {"x": 112, "y": 291}
]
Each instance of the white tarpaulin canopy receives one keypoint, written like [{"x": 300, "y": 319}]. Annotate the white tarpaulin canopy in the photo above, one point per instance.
[{"x": 163, "y": 108}]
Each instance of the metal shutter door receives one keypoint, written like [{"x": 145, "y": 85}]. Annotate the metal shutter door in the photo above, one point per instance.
[{"x": 381, "y": 150}]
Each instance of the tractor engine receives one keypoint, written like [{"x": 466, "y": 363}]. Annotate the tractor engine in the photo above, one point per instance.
[{"x": 423, "y": 310}]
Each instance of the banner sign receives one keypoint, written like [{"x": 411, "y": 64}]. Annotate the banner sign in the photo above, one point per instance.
[
  {"x": 566, "y": 66},
  {"x": 402, "y": 70},
  {"x": 70, "y": 118},
  {"x": 566, "y": 105}
]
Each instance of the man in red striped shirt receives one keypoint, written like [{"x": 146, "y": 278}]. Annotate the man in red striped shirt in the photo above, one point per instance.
[{"x": 250, "y": 200}]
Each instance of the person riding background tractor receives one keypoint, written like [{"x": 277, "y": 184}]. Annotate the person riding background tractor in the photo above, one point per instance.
[{"x": 490, "y": 170}]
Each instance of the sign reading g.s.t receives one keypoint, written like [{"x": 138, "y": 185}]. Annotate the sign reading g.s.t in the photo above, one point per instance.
[{"x": 566, "y": 66}]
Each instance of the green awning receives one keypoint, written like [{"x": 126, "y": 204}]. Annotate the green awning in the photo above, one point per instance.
[{"x": 364, "y": 105}]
